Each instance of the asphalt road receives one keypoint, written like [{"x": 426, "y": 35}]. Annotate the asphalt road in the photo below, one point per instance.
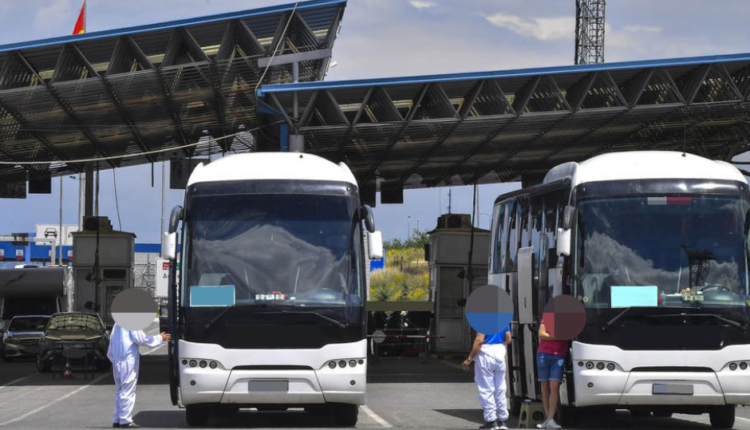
[{"x": 401, "y": 394}]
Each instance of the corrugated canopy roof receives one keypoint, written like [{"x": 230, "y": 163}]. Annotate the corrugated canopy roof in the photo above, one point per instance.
[
  {"x": 456, "y": 129},
  {"x": 146, "y": 88}
]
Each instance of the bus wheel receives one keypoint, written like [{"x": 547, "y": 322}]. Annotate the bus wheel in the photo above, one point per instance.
[
  {"x": 346, "y": 415},
  {"x": 196, "y": 415},
  {"x": 722, "y": 417}
]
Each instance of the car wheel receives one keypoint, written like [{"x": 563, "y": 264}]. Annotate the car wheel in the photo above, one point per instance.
[
  {"x": 722, "y": 417},
  {"x": 346, "y": 415},
  {"x": 42, "y": 367},
  {"x": 196, "y": 415}
]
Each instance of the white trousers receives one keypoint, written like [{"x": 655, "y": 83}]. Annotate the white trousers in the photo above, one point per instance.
[
  {"x": 489, "y": 375},
  {"x": 126, "y": 379}
]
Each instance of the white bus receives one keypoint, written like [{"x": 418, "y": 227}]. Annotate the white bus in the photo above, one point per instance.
[
  {"x": 268, "y": 310},
  {"x": 655, "y": 244}
]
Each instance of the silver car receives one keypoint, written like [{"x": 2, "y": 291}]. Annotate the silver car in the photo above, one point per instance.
[{"x": 23, "y": 335}]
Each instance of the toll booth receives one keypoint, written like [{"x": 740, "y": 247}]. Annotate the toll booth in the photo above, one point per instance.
[
  {"x": 448, "y": 255},
  {"x": 116, "y": 252}
]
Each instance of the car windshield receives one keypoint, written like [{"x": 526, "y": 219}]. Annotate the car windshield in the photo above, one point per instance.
[
  {"x": 286, "y": 249},
  {"x": 650, "y": 251},
  {"x": 74, "y": 322},
  {"x": 28, "y": 324}
]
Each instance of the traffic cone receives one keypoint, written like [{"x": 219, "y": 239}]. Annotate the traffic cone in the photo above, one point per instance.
[{"x": 68, "y": 373}]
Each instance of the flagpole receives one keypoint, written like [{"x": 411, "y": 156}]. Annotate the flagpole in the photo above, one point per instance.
[{"x": 85, "y": 15}]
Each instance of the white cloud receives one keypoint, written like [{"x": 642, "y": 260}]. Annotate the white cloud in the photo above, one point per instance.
[
  {"x": 544, "y": 29},
  {"x": 642, "y": 29},
  {"x": 422, "y": 4}
]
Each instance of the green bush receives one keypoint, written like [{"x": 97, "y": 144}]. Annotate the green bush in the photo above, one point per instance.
[{"x": 406, "y": 277}]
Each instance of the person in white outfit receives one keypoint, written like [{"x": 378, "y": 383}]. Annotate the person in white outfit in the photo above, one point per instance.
[
  {"x": 489, "y": 375},
  {"x": 125, "y": 357}
]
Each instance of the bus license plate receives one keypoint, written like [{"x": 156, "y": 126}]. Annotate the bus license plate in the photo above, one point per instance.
[
  {"x": 673, "y": 389},
  {"x": 268, "y": 385}
]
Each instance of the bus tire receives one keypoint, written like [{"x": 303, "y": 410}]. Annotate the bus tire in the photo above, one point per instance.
[
  {"x": 346, "y": 415},
  {"x": 196, "y": 416},
  {"x": 722, "y": 417}
]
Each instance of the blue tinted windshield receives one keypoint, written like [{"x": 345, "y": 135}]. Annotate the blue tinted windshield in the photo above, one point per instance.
[{"x": 674, "y": 248}]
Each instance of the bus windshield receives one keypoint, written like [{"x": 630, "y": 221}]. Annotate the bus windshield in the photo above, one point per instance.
[
  {"x": 273, "y": 250},
  {"x": 657, "y": 251}
]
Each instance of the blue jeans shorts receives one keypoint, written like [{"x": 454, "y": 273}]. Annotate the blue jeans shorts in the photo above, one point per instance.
[{"x": 550, "y": 367}]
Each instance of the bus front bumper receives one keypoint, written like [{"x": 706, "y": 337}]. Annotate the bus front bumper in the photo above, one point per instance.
[{"x": 599, "y": 388}]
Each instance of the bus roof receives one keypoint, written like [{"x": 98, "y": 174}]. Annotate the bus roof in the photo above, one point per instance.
[
  {"x": 637, "y": 165},
  {"x": 272, "y": 166}
]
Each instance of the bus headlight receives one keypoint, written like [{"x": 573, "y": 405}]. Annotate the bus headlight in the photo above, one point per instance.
[
  {"x": 732, "y": 366},
  {"x": 589, "y": 365},
  {"x": 600, "y": 365},
  {"x": 203, "y": 364},
  {"x": 743, "y": 365},
  {"x": 332, "y": 364},
  {"x": 610, "y": 367},
  {"x": 193, "y": 363},
  {"x": 213, "y": 365},
  {"x": 342, "y": 364},
  {"x": 353, "y": 363}
]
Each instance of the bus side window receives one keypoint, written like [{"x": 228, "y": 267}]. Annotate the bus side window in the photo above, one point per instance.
[
  {"x": 500, "y": 239},
  {"x": 525, "y": 224},
  {"x": 512, "y": 238},
  {"x": 551, "y": 205}
]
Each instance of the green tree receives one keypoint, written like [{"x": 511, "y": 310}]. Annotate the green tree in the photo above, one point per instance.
[{"x": 417, "y": 239}]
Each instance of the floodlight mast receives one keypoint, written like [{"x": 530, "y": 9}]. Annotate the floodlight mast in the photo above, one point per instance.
[{"x": 589, "y": 31}]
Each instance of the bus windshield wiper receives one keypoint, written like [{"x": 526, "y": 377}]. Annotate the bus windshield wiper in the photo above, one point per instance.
[
  {"x": 613, "y": 320},
  {"x": 226, "y": 311},
  {"x": 729, "y": 321},
  {"x": 317, "y": 314}
]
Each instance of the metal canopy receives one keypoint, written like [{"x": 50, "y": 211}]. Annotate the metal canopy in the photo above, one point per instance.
[
  {"x": 146, "y": 88},
  {"x": 489, "y": 127}
]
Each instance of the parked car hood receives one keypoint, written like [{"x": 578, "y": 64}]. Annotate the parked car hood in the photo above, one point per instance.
[{"x": 73, "y": 335}]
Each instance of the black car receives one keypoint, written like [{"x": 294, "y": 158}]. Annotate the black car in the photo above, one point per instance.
[
  {"x": 22, "y": 338},
  {"x": 84, "y": 333}
]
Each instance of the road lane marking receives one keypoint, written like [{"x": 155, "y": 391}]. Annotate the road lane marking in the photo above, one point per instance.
[
  {"x": 18, "y": 396},
  {"x": 378, "y": 419},
  {"x": 59, "y": 399},
  {"x": 18, "y": 380}
]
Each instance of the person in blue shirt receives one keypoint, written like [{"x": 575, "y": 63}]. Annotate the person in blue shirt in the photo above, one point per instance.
[{"x": 489, "y": 375}]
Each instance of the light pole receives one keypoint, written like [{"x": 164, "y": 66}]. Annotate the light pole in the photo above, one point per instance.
[{"x": 408, "y": 226}]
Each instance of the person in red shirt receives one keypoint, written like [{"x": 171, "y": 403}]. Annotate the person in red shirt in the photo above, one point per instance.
[{"x": 550, "y": 363}]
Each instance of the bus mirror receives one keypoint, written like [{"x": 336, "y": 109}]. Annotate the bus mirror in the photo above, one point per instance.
[
  {"x": 369, "y": 218},
  {"x": 375, "y": 245},
  {"x": 174, "y": 219},
  {"x": 563, "y": 242},
  {"x": 169, "y": 246},
  {"x": 567, "y": 221}
]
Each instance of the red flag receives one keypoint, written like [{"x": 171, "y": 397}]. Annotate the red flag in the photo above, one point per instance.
[{"x": 81, "y": 23}]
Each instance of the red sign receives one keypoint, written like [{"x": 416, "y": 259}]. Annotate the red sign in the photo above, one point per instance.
[
  {"x": 19, "y": 254},
  {"x": 165, "y": 265}
]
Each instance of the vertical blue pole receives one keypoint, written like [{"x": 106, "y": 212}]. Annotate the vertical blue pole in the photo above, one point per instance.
[{"x": 284, "y": 144}]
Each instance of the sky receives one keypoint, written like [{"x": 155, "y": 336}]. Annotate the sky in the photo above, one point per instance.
[{"x": 382, "y": 38}]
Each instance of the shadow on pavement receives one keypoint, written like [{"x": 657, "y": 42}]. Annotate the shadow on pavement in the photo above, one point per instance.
[
  {"x": 417, "y": 371},
  {"x": 471, "y": 415},
  {"x": 246, "y": 418}
]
